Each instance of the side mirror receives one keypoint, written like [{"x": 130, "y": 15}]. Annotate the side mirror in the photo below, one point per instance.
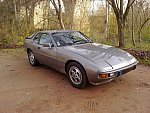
[{"x": 48, "y": 45}]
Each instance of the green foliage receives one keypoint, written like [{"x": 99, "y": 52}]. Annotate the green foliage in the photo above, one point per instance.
[
  {"x": 14, "y": 30},
  {"x": 144, "y": 61},
  {"x": 19, "y": 51}
]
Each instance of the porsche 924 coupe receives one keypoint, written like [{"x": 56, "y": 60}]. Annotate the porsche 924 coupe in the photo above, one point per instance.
[{"x": 73, "y": 53}]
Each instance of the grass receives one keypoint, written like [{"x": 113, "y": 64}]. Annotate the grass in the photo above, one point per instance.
[
  {"x": 143, "y": 46},
  {"x": 144, "y": 61},
  {"x": 19, "y": 51}
]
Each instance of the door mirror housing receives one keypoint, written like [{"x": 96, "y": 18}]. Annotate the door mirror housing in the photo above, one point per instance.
[{"x": 50, "y": 45}]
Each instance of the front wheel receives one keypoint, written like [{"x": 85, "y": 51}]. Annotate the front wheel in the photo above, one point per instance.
[
  {"x": 77, "y": 75},
  {"x": 32, "y": 59}
]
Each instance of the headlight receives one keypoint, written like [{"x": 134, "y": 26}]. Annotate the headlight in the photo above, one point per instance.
[{"x": 113, "y": 74}]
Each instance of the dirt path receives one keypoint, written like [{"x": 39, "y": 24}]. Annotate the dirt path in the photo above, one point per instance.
[{"x": 25, "y": 89}]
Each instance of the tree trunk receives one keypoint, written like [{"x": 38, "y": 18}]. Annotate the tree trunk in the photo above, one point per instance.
[
  {"x": 60, "y": 16},
  {"x": 141, "y": 27},
  {"x": 31, "y": 15},
  {"x": 26, "y": 7},
  {"x": 139, "y": 32},
  {"x": 120, "y": 33},
  {"x": 107, "y": 20},
  {"x": 69, "y": 6},
  {"x": 48, "y": 21},
  {"x": 16, "y": 18},
  {"x": 139, "y": 37},
  {"x": 61, "y": 22},
  {"x": 133, "y": 41},
  {"x": 121, "y": 15},
  {"x": 27, "y": 18},
  {"x": 58, "y": 12}
]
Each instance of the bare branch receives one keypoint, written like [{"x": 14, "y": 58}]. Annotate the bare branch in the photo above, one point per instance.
[
  {"x": 127, "y": 10},
  {"x": 117, "y": 5},
  {"x": 58, "y": 12},
  {"x": 59, "y": 4},
  {"x": 144, "y": 23},
  {"x": 131, "y": 3},
  {"x": 109, "y": 2},
  {"x": 112, "y": 3},
  {"x": 55, "y": 6}
]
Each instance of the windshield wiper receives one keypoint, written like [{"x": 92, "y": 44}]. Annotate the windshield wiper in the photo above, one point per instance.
[
  {"x": 82, "y": 41},
  {"x": 69, "y": 43}
]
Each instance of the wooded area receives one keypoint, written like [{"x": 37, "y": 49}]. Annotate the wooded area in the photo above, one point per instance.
[{"x": 122, "y": 23}]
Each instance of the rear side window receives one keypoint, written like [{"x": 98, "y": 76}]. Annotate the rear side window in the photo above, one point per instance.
[{"x": 37, "y": 38}]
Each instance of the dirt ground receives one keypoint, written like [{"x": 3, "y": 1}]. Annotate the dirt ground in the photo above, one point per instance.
[{"x": 27, "y": 89}]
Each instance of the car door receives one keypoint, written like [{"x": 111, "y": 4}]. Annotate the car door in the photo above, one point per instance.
[
  {"x": 46, "y": 55},
  {"x": 35, "y": 45}
]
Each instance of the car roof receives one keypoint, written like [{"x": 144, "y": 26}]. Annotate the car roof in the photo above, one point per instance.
[{"x": 56, "y": 31}]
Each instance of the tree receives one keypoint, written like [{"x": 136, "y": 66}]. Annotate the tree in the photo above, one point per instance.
[
  {"x": 140, "y": 30},
  {"x": 121, "y": 14},
  {"x": 69, "y": 6},
  {"x": 133, "y": 41},
  {"x": 107, "y": 20},
  {"x": 143, "y": 16},
  {"x": 58, "y": 12}
]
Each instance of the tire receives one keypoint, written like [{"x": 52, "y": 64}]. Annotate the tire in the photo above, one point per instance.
[
  {"x": 77, "y": 75},
  {"x": 32, "y": 59}
]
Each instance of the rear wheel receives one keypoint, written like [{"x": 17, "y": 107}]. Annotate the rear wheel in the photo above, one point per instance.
[
  {"x": 77, "y": 75},
  {"x": 32, "y": 59}
]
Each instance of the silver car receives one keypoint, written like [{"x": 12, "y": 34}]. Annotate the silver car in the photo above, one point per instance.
[{"x": 73, "y": 53}]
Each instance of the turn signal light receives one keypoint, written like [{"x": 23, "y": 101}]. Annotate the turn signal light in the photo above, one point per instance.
[{"x": 103, "y": 75}]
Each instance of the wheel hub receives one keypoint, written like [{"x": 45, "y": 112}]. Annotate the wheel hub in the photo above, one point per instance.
[
  {"x": 31, "y": 58},
  {"x": 75, "y": 75}
]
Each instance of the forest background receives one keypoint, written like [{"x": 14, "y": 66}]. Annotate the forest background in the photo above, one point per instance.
[{"x": 121, "y": 23}]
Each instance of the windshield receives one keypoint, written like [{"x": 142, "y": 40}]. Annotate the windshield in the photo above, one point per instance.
[{"x": 70, "y": 38}]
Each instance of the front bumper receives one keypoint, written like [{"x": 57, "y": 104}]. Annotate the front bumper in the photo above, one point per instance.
[{"x": 121, "y": 71}]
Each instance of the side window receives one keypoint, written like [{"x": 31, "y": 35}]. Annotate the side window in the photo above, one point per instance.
[
  {"x": 36, "y": 38},
  {"x": 45, "y": 38}
]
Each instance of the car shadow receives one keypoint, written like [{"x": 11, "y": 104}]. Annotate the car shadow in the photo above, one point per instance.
[{"x": 63, "y": 77}]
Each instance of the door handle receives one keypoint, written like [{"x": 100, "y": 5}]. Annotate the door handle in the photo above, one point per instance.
[{"x": 38, "y": 47}]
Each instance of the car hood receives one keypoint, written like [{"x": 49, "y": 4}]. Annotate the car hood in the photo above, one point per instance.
[{"x": 115, "y": 57}]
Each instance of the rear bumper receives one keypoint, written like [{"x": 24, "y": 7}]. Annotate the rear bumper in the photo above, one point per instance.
[{"x": 118, "y": 72}]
